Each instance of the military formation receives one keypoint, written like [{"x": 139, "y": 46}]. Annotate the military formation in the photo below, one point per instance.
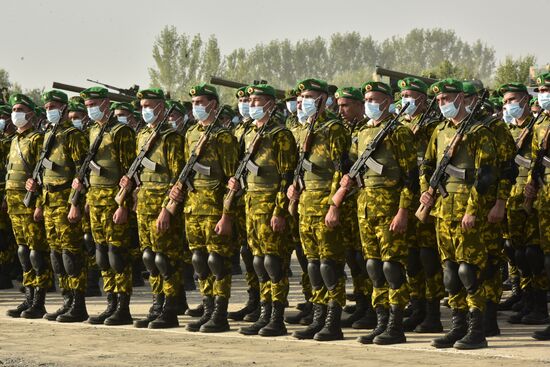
[{"x": 432, "y": 196}]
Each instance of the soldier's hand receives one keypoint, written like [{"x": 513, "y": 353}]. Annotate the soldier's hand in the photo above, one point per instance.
[
  {"x": 163, "y": 220},
  {"x": 77, "y": 185},
  {"x": 399, "y": 222},
  {"x": 278, "y": 223},
  {"x": 497, "y": 212},
  {"x": 125, "y": 183},
  {"x": 38, "y": 215},
  {"x": 176, "y": 194},
  {"x": 427, "y": 199},
  {"x": 120, "y": 216},
  {"x": 468, "y": 222},
  {"x": 233, "y": 184},
  {"x": 332, "y": 219},
  {"x": 530, "y": 191},
  {"x": 31, "y": 185},
  {"x": 74, "y": 214},
  {"x": 292, "y": 193},
  {"x": 346, "y": 182},
  {"x": 223, "y": 227}
]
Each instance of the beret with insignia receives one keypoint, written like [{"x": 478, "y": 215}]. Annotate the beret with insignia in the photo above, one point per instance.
[
  {"x": 512, "y": 87},
  {"x": 261, "y": 90},
  {"x": 75, "y": 106},
  {"x": 76, "y": 99},
  {"x": 55, "y": 96},
  {"x": 241, "y": 92},
  {"x": 94, "y": 93},
  {"x": 543, "y": 80},
  {"x": 151, "y": 93},
  {"x": 349, "y": 92},
  {"x": 469, "y": 88},
  {"x": 203, "y": 90},
  {"x": 22, "y": 99},
  {"x": 446, "y": 86},
  {"x": 122, "y": 106},
  {"x": 414, "y": 84},
  {"x": 312, "y": 84},
  {"x": 290, "y": 94},
  {"x": 372, "y": 86}
]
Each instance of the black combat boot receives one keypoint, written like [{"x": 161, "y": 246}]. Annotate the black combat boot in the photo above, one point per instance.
[
  {"x": 394, "y": 333},
  {"x": 527, "y": 304},
  {"x": 263, "y": 320},
  {"x": 382, "y": 315},
  {"x": 182, "y": 301},
  {"x": 218, "y": 321},
  {"x": 154, "y": 311},
  {"x": 332, "y": 330},
  {"x": 514, "y": 297},
  {"x": 475, "y": 338},
  {"x": 168, "y": 318},
  {"x": 67, "y": 302},
  {"x": 318, "y": 322},
  {"x": 490, "y": 319},
  {"x": 195, "y": 312},
  {"x": 539, "y": 311},
  {"x": 358, "y": 312},
  {"x": 251, "y": 305},
  {"x": 77, "y": 312},
  {"x": 432, "y": 321},
  {"x": 301, "y": 316},
  {"x": 369, "y": 318},
  {"x": 208, "y": 306},
  {"x": 26, "y": 304},
  {"x": 112, "y": 303},
  {"x": 122, "y": 314},
  {"x": 459, "y": 328},
  {"x": 418, "y": 307},
  {"x": 37, "y": 310},
  {"x": 276, "y": 325},
  {"x": 92, "y": 282}
]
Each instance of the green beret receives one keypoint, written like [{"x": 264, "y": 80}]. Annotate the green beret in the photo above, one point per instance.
[
  {"x": 469, "y": 88},
  {"x": 187, "y": 105},
  {"x": 76, "y": 99},
  {"x": 312, "y": 84},
  {"x": 151, "y": 93},
  {"x": 290, "y": 94},
  {"x": 512, "y": 87},
  {"x": 122, "y": 106},
  {"x": 534, "y": 101},
  {"x": 414, "y": 84},
  {"x": 543, "y": 80},
  {"x": 55, "y": 96},
  {"x": 241, "y": 92},
  {"x": 227, "y": 111},
  {"x": 40, "y": 111},
  {"x": 261, "y": 90},
  {"x": 446, "y": 86},
  {"x": 376, "y": 87},
  {"x": 5, "y": 109},
  {"x": 203, "y": 90},
  {"x": 332, "y": 89},
  {"x": 75, "y": 106},
  {"x": 496, "y": 101},
  {"x": 349, "y": 92},
  {"x": 22, "y": 99},
  {"x": 178, "y": 107},
  {"x": 94, "y": 93}
]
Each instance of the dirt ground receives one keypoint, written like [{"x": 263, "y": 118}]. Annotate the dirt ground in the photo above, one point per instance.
[{"x": 41, "y": 343}]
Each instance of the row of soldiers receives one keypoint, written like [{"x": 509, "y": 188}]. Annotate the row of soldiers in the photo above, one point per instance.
[{"x": 197, "y": 190}]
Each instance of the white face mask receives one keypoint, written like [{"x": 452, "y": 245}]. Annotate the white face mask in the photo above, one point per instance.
[
  {"x": 449, "y": 110},
  {"x": 372, "y": 110},
  {"x": 302, "y": 117},
  {"x": 123, "y": 119},
  {"x": 412, "y": 105},
  {"x": 95, "y": 113},
  {"x": 291, "y": 106},
  {"x": 330, "y": 101},
  {"x": 78, "y": 124},
  {"x": 19, "y": 119},
  {"x": 244, "y": 109},
  {"x": 53, "y": 116},
  {"x": 2, "y": 125},
  {"x": 148, "y": 115}
]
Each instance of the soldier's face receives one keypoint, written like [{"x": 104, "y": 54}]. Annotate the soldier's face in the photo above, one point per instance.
[
  {"x": 21, "y": 108},
  {"x": 350, "y": 109},
  {"x": 418, "y": 97},
  {"x": 53, "y": 105},
  {"x": 76, "y": 115},
  {"x": 515, "y": 97},
  {"x": 444, "y": 98},
  {"x": 470, "y": 100},
  {"x": 378, "y": 97},
  {"x": 204, "y": 101},
  {"x": 243, "y": 100},
  {"x": 259, "y": 101},
  {"x": 123, "y": 113},
  {"x": 97, "y": 102}
]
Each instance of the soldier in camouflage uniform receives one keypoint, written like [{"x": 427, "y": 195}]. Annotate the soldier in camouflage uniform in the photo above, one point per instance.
[
  {"x": 266, "y": 204},
  {"x": 319, "y": 218},
  {"x": 424, "y": 272},
  {"x": 8, "y": 247},
  {"x": 461, "y": 217},
  {"x": 109, "y": 222},
  {"x": 32, "y": 247},
  {"x": 534, "y": 189},
  {"x": 382, "y": 208},
  {"x": 351, "y": 108},
  {"x": 159, "y": 231},
  {"x": 208, "y": 224},
  {"x": 62, "y": 219},
  {"x": 251, "y": 311}
]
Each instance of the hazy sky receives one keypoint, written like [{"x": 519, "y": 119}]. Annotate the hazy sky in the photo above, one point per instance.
[{"x": 71, "y": 40}]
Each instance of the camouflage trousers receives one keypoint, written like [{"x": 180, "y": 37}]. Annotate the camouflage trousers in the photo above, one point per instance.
[
  {"x": 543, "y": 206},
  {"x": 239, "y": 236},
  {"x": 294, "y": 238}
]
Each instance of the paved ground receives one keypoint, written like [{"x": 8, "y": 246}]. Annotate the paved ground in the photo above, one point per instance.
[{"x": 42, "y": 343}]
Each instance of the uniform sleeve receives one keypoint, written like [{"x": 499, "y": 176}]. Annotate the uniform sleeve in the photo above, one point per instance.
[
  {"x": 405, "y": 154},
  {"x": 173, "y": 149},
  {"x": 339, "y": 147},
  {"x": 506, "y": 150},
  {"x": 285, "y": 146},
  {"x": 485, "y": 156},
  {"x": 125, "y": 142},
  {"x": 228, "y": 156},
  {"x": 429, "y": 163}
]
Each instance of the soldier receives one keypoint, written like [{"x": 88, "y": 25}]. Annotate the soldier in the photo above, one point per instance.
[
  {"x": 266, "y": 203},
  {"x": 424, "y": 272},
  {"x": 533, "y": 189},
  {"x": 207, "y": 223},
  {"x": 158, "y": 229},
  {"x": 292, "y": 108},
  {"x": 382, "y": 208},
  {"x": 32, "y": 247},
  {"x": 351, "y": 108},
  {"x": 319, "y": 217},
  {"x": 62, "y": 219},
  {"x": 109, "y": 222},
  {"x": 461, "y": 216}
]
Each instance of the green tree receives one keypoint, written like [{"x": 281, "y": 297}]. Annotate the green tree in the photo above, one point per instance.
[{"x": 514, "y": 70}]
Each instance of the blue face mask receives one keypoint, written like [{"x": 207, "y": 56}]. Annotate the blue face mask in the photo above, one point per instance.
[
  {"x": 199, "y": 112},
  {"x": 123, "y": 119},
  {"x": 148, "y": 115},
  {"x": 53, "y": 116},
  {"x": 77, "y": 123},
  {"x": 257, "y": 112},
  {"x": 302, "y": 118},
  {"x": 2, "y": 124},
  {"x": 507, "y": 117},
  {"x": 309, "y": 107},
  {"x": 244, "y": 109},
  {"x": 95, "y": 113},
  {"x": 329, "y": 102},
  {"x": 449, "y": 110},
  {"x": 514, "y": 109},
  {"x": 544, "y": 100},
  {"x": 372, "y": 110},
  {"x": 291, "y": 106},
  {"x": 412, "y": 105}
]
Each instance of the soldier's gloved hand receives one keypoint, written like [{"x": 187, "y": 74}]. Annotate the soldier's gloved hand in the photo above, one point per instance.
[
  {"x": 120, "y": 216},
  {"x": 292, "y": 193},
  {"x": 399, "y": 222},
  {"x": 74, "y": 215},
  {"x": 223, "y": 227},
  {"x": 163, "y": 220},
  {"x": 497, "y": 212},
  {"x": 332, "y": 219},
  {"x": 31, "y": 185},
  {"x": 176, "y": 194},
  {"x": 468, "y": 222},
  {"x": 346, "y": 182},
  {"x": 38, "y": 215},
  {"x": 427, "y": 199},
  {"x": 125, "y": 183},
  {"x": 278, "y": 223},
  {"x": 233, "y": 184},
  {"x": 530, "y": 191}
]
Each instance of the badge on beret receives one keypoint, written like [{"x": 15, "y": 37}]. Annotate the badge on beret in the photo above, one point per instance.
[
  {"x": 368, "y": 87},
  {"x": 539, "y": 80},
  {"x": 192, "y": 91},
  {"x": 250, "y": 90},
  {"x": 301, "y": 87},
  {"x": 240, "y": 93},
  {"x": 140, "y": 95},
  {"x": 403, "y": 84},
  {"x": 435, "y": 89}
]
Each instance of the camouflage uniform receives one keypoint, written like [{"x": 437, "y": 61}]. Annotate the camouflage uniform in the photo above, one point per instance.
[
  {"x": 543, "y": 198},
  {"x": 8, "y": 246}
]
